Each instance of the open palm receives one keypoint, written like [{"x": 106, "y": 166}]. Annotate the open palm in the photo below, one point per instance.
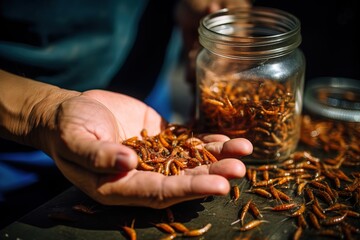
[{"x": 86, "y": 148}]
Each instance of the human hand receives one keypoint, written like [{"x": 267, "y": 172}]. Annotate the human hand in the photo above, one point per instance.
[{"x": 86, "y": 148}]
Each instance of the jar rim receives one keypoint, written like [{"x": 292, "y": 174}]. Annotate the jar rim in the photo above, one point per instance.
[
  {"x": 254, "y": 32},
  {"x": 334, "y": 97}
]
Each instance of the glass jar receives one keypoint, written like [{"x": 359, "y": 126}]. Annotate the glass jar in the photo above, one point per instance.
[
  {"x": 331, "y": 121},
  {"x": 250, "y": 77}
]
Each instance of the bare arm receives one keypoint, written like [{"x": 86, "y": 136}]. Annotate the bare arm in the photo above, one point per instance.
[
  {"x": 82, "y": 133},
  {"x": 22, "y": 105}
]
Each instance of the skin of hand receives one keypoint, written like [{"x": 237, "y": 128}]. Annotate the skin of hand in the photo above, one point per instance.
[
  {"x": 82, "y": 132},
  {"x": 188, "y": 14},
  {"x": 86, "y": 149}
]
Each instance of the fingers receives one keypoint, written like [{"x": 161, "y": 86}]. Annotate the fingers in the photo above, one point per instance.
[
  {"x": 236, "y": 147},
  {"x": 150, "y": 189},
  {"x": 101, "y": 156},
  {"x": 214, "y": 138},
  {"x": 229, "y": 168},
  {"x": 109, "y": 157},
  {"x": 189, "y": 187},
  {"x": 155, "y": 190},
  {"x": 126, "y": 159},
  {"x": 158, "y": 191}
]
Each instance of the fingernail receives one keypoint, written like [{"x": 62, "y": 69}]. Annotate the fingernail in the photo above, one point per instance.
[{"x": 121, "y": 161}]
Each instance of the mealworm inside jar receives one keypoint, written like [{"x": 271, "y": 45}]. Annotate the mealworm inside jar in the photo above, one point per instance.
[{"x": 262, "y": 111}]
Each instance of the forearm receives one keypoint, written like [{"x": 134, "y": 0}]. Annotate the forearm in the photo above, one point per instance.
[{"x": 28, "y": 109}]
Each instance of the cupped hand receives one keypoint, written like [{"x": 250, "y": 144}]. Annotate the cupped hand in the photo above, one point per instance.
[{"x": 86, "y": 148}]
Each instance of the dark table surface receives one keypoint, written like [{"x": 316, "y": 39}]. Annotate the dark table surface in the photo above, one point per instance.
[{"x": 57, "y": 219}]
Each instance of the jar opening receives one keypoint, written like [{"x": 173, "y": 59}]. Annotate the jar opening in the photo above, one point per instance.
[{"x": 250, "y": 33}]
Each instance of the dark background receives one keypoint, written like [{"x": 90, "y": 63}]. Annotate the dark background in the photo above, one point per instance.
[{"x": 330, "y": 35}]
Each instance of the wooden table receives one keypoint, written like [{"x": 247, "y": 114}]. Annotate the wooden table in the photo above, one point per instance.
[{"x": 56, "y": 219}]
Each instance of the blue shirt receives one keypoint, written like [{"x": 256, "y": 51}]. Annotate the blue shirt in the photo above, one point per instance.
[{"x": 78, "y": 44}]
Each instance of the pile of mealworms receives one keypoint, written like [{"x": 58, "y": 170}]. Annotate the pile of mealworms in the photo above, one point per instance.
[
  {"x": 172, "y": 150},
  {"x": 319, "y": 190},
  {"x": 313, "y": 190},
  {"x": 263, "y": 111},
  {"x": 320, "y": 193}
]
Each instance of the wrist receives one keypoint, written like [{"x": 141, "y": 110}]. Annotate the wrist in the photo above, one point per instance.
[
  {"x": 28, "y": 108},
  {"x": 42, "y": 120}
]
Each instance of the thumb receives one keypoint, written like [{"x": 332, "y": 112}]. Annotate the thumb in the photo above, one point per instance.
[{"x": 100, "y": 156}]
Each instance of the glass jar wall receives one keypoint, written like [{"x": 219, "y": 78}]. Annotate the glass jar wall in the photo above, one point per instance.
[{"x": 250, "y": 77}]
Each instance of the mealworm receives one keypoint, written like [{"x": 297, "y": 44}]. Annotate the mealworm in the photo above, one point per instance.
[
  {"x": 252, "y": 224},
  {"x": 197, "y": 232}
]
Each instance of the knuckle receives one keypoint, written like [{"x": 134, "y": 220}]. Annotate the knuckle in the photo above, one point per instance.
[{"x": 98, "y": 159}]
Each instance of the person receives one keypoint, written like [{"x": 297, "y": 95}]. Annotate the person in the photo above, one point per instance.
[
  {"x": 82, "y": 132},
  {"x": 67, "y": 88}
]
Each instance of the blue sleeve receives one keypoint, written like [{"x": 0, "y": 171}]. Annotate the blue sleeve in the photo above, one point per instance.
[{"x": 77, "y": 44}]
